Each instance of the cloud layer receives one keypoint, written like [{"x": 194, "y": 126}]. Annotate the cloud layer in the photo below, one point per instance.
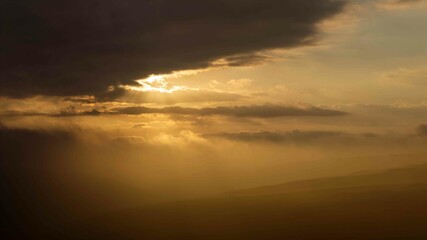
[
  {"x": 82, "y": 47},
  {"x": 259, "y": 111},
  {"x": 295, "y": 136}
]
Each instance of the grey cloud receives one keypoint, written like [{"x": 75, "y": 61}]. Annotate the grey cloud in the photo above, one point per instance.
[
  {"x": 68, "y": 112},
  {"x": 257, "y": 111},
  {"x": 252, "y": 111},
  {"x": 404, "y": 2},
  {"x": 415, "y": 112},
  {"x": 82, "y": 100},
  {"x": 139, "y": 125},
  {"x": 398, "y": 3},
  {"x": 246, "y": 59},
  {"x": 81, "y": 47},
  {"x": 422, "y": 130},
  {"x": 295, "y": 136}
]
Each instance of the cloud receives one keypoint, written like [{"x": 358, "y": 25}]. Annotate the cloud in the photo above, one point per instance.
[
  {"x": 180, "y": 96},
  {"x": 407, "y": 76},
  {"x": 295, "y": 136},
  {"x": 422, "y": 130},
  {"x": 325, "y": 138},
  {"x": 139, "y": 125},
  {"x": 257, "y": 111},
  {"x": 403, "y": 110},
  {"x": 70, "y": 111},
  {"x": 399, "y": 4},
  {"x": 83, "y": 47},
  {"x": 245, "y": 59},
  {"x": 405, "y": 2}
]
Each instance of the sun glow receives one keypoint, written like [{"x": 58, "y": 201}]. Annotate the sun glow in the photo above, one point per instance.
[
  {"x": 159, "y": 83},
  {"x": 155, "y": 83}
]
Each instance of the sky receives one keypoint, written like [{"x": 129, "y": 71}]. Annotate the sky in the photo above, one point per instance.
[{"x": 184, "y": 97}]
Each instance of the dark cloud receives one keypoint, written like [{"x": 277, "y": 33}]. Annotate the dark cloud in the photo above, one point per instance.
[
  {"x": 68, "y": 112},
  {"x": 139, "y": 125},
  {"x": 315, "y": 138},
  {"x": 404, "y": 2},
  {"x": 259, "y": 111},
  {"x": 422, "y": 130},
  {"x": 256, "y": 111},
  {"x": 416, "y": 111},
  {"x": 295, "y": 136},
  {"x": 245, "y": 59},
  {"x": 82, "y": 100},
  {"x": 82, "y": 47},
  {"x": 399, "y": 3}
]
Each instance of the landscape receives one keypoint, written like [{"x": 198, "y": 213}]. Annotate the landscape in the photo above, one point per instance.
[{"x": 213, "y": 119}]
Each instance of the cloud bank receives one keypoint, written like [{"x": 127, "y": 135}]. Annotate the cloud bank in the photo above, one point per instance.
[
  {"x": 82, "y": 47},
  {"x": 257, "y": 111}
]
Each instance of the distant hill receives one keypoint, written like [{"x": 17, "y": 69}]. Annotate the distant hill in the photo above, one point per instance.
[
  {"x": 389, "y": 205},
  {"x": 403, "y": 176},
  {"x": 380, "y": 206}
]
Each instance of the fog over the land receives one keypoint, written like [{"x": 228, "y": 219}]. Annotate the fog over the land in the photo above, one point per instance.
[{"x": 143, "y": 169}]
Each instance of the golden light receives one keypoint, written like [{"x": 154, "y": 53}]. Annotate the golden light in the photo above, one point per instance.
[
  {"x": 155, "y": 83},
  {"x": 159, "y": 83}
]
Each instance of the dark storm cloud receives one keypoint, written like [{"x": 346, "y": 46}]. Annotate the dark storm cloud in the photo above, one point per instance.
[
  {"x": 82, "y": 47},
  {"x": 258, "y": 111}
]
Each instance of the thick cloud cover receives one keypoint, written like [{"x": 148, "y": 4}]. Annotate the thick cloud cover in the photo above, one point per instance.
[{"x": 82, "y": 47}]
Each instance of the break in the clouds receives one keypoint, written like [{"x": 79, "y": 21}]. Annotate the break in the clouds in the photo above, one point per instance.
[
  {"x": 180, "y": 96},
  {"x": 257, "y": 111},
  {"x": 82, "y": 47}
]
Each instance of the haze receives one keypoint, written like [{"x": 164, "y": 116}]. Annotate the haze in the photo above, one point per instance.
[{"x": 184, "y": 119}]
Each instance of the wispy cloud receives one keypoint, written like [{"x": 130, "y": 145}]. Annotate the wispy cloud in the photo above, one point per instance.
[
  {"x": 399, "y": 4},
  {"x": 406, "y": 76}
]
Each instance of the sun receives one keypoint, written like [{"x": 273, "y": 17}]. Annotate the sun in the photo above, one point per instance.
[{"x": 155, "y": 83}]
